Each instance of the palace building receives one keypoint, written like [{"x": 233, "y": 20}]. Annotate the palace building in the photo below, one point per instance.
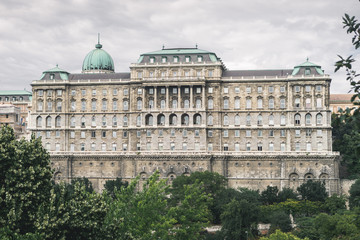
[{"x": 181, "y": 110}]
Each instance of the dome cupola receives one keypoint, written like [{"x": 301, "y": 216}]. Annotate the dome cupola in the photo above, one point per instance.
[{"x": 98, "y": 61}]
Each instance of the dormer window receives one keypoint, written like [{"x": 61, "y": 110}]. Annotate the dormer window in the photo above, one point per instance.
[
  {"x": 176, "y": 59},
  {"x": 52, "y": 76},
  {"x": 152, "y": 60},
  {"x": 163, "y": 59},
  {"x": 187, "y": 59},
  {"x": 199, "y": 58},
  {"x": 307, "y": 71}
]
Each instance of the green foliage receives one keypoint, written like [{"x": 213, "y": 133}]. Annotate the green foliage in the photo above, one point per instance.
[
  {"x": 287, "y": 193},
  {"x": 334, "y": 204},
  {"x": 240, "y": 219},
  {"x": 25, "y": 180},
  {"x": 7, "y": 234},
  {"x": 278, "y": 235},
  {"x": 270, "y": 195},
  {"x": 211, "y": 183},
  {"x": 111, "y": 185},
  {"x": 280, "y": 220},
  {"x": 354, "y": 199},
  {"x": 313, "y": 191},
  {"x": 305, "y": 227}
]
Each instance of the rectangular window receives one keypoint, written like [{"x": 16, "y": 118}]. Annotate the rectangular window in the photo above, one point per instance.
[
  {"x": 115, "y": 105},
  {"x": 210, "y": 146},
  {"x": 184, "y": 133},
  {"x": 148, "y": 133},
  {"x": 174, "y": 90},
  {"x": 59, "y": 92},
  {"x": 237, "y": 133},
  {"x": 104, "y": 92},
  {"x": 40, "y": 93},
  {"x": 148, "y": 146},
  {"x": 297, "y": 88},
  {"x": 83, "y": 92},
  {"x": 282, "y": 147},
  {"x": 197, "y": 133},
  {"x": 318, "y": 88},
  {"x": 160, "y": 146},
  {"x": 319, "y": 133},
  {"x": 125, "y": 147},
  {"x": 237, "y": 147},
  {"x": 226, "y": 147},
  {"x": 114, "y": 147},
  {"x": 125, "y": 134},
  {"x": 226, "y": 90},
  {"x": 308, "y": 147},
  {"x": 308, "y": 132},
  {"x": 197, "y": 146},
  {"x": 47, "y": 134},
  {"x": 248, "y": 133},
  {"x": 139, "y": 91},
  {"x": 72, "y": 147},
  {"x": 210, "y": 133},
  {"x": 172, "y": 132},
  {"x": 73, "y": 92},
  {"x": 226, "y": 133},
  {"x": 271, "y": 133},
  {"x": 248, "y": 146},
  {"x": 248, "y": 89},
  {"x": 271, "y": 89},
  {"x": 126, "y": 91},
  {"x": 297, "y": 132},
  {"x": 93, "y": 134},
  {"x": 297, "y": 146},
  {"x": 282, "y": 133},
  {"x": 282, "y": 89},
  {"x": 198, "y": 90},
  {"x": 93, "y": 92},
  {"x": 237, "y": 90},
  {"x": 57, "y": 134},
  {"x": 318, "y": 102},
  {"x": 186, "y": 90},
  {"x": 184, "y": 146},
  {"x": 307, "y": 88},
  {"x": 151, "y": 91},
  {"x": 115, "y": 91},
  {"x": 271, "y": 147},
  {"x": 57, "y": 147},
  {"x": 259, "y": 90},
  {"x": 72, "y": 134},
  {"x": 260, "y": 133},
  {"x": 210, "y": 90},
  {"x": 138, "y": 134}
]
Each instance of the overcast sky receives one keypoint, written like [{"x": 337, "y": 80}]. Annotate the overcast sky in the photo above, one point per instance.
[{"x": 35, "y": 35}]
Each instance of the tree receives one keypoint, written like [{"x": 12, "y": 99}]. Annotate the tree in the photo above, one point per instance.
[
  {"x": 270, "y": 195},
  {"x": 354, "y": 199},
  {"x": 25, "y": 180},
  {"x": 313, "y": 191},
  {"x": 280, "y": 220},
  {"x": 239, "y": 219},
  {"x": 112, "y": 185},
  {"x": 334, "y": 204},
  {"x": 279, "y": 235}
]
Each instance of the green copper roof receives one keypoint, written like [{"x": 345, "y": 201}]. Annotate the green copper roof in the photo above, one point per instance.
[
  {"x": 64, "y": 75},
  {"x": 307, "y": 64},
  {"x": 166, "y": 51},
  {"x": 15, "y": 92},
  {"x": 55, "y": 70},
  {"x": 98, "y": 59}
]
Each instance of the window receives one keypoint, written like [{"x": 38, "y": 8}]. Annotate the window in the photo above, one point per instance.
[
  {"x": 162, "y": 104},
  {"x": 148, "y": 133},
  {"x": 125, "y": 105},
  {"x": 307, "y": 88},
  {"x": 138, "y": 121},
  {"x": 282, "y": 89},
  {"x": 248, "y": 89},
  {"x": 125, "y": 121},
  {"x": 163, "y": 59},
  {"x": 93, "y": 121},
  {"x": 125, "y": 146},
  {"x": 226, "y": 147},
  {"x": 139, "y": 91},
  {"x": 271, "y": 89},
  {"x": 139, "y": 104},
  {"x": 226, "y": 120},
  {"x": 297, "y": 146},
  {"x": 186, "y": 90},
  {"x": 319, "y": 133},
  {"x": 172, "y": 132},
  {"x": 40, "y": 93},
  {"x": 126, "y": 91},
  {"x": 72, "y": 122},
  {"x": 83, "y": 92},
  {"x": 82, "y": 121},
  {"x": 174, "y": 103},
  {"x": 259, "y": 146},
  {"x": 72, "y": 105},
  {"x": 48, "y": 122},
  {"x": 93, "y": 105},
  {"x": 210, "y": 73},
  {"x": 308, "y": 102},
  {"x": 308, "y": 132},
  {"x": 49, "y": 106},
  {"x": 271, "y": 133},
  {"x": 148, "y": 146},
  {"x": 210, "y": 133},
  {"x": 40, "y": 106},
  {"x": 297, "y": 132},
  {"x": 93, "y": 92},
  {"x": 198, "y": 73},
  {"x": 271, "y": 147},
  {"x": 59, "y": 92},
  {"x": 282, "y": 103},
  {"x": 282, "y": 147},
  {"x": 199, "y": 58},
  {"x": 259, "y": 103},
  {"x": 152, "y": 60},
  {"x": 197, "y": 119},
  {"x": 308, "y": 147},
  {"x": 318, "y": 88},
  {"x": 186, "y": 103},
  {"x": 319, "y": 146},
  {"x": 114, "y": 121},
  {"x": 160, "y": 146},
  {"x": 139, "y": 74},
  {"x": 115, "y": 91},
  {"x": 226, "y": 90},
  {"x": 297, "y": 88},
  {"x": 248, "y": 146},
  {"x": 237, "y": 133},
  {"x": 271, "y": 120},
  {"x": 104, "y": 105},
  {"x": 115, "y": 105},
  {"x": 271, "y": 103},
  {"x": 237, "y": 120},
  {"x": 114, "y": 147},
  {"x": 176, "y": 59},
  {"x": 82, "y": 134},
  {"x": 210, "y": 90},
  {"x": 151, "y": 91},
  {"x": 210, "y": 146},
  {"x": 210, "y": 103},
  {"x": 248, "y": 133},
  {"x": 308, "y": 119},
  {"x": 187, "y": 59},
  {"x": 259, "y": 120},
  {"x": 210, "y": 120},
  {"x": 307, "y": 71},
  {"x": 59, "y": 106},
  {"x": 187, "y": 73},
  {"x": 114, "y": 134},
  {"x": 104, "y": 92},
  {"x": 83, "y": 105},
  {"x": 184, "y": 133},
  {"x": 72, "y": 147},
  {"x": 93, "y": 134},
  {"x": 237, "y": 103},
  {"x": 125, "y": 134},
  {"x": 248, "y": 120},
  {"x": 226, "y": 103},
  {"x": 184, "y": 146},
  {"x": 197, "y": 133},
  {"x": 104, "y": 121},
  {"x": 82, "y": 146},
  {"x": 237, "y": 90},
  {"x": 226, "y": 133},
  {"x": 297, "y": 102},
  {"x": 318, "y": 102},
  {"x": 151, "y": 74},
  {"x": 149, "y": 120},
  {"x": 319, "y": 119},
  {"x": 198, "y": 103},
  {"x": 259, "y": 89},
  {"x": 260, "y": 133},
  {"x": 282, "y": 120},
  {"x": 297, "y": 118},
  {"x": 248, "y": 103}
]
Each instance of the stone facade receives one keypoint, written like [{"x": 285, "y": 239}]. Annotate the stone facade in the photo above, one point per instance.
[{"x": 180, "y": 111}]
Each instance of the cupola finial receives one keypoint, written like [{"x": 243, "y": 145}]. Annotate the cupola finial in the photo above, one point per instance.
[{"x": 98, "y": 45}]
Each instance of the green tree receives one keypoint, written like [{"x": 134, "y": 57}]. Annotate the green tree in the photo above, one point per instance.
[
  {"x": 270, "y": 195},
  {"x": 287, "y": 193},
  {"x": 240, "y": 219},
  {"x": 111, "y": 185},
  {"x": 334, "y": 204},
  {"x": 354, "y": 198},
  {"x": 279, "y": 235},
  {"x": 25, "y": 180},
  {"x": 280, "y": 220},
  {"x": 305, "y": 227},
  {"x": 313, "y": 191}
]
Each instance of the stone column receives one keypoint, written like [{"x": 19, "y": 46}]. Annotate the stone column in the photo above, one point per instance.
[
  {"x": 155, "y": 97},
  {"x": 203, "y": 97},
  {"x": 191, "y": 97},
  {"x": 167, "y": 97},
  {"x": 179, "y": 97}
]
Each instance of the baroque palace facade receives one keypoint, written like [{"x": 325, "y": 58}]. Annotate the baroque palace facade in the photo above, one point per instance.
[{"x": 181, "y": 110}]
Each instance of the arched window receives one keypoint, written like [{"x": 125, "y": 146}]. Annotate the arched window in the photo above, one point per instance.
[
  {"x": 297, "y": 102},
  {"x": 72, "y": 122},
  {"x": 259, "y": 120},
  {"x": 125, "y": 121},
  {"x": 185, "y": 119},
  {"x": 58, "y": 121},
  {"x": 174, "y": 103},
  {"x": 248, "y": 120},
  {"x": 210, "y": 120},
  {"x": 237, "y": 103},
  {"x": 271, "y": 103},
  {"x": 248, "y": 103},
  {"x": 271, "y": 120},
  {"x": 259, "y": 103},
  {"x": 48, "y": 121},
  {"x": 161, "y": 120},
  {"x": 319, "y": 118},
  {"x": 282, "y": 120},
  {"x": 82, "y": 121},
  {"x": 58, "y": 105},
  {"x": 151, "y": 103},
  {"x": 297, "y": 119},
  {"x": 308, "y": 119},
  {"x": 186, "y": 103},
  {"x": 39, "y": 121},
  {"x": 308, "y": 102},
  {"x": 93, "y": 121},
  {"x": 226, "y": 103},
  {"x": 162, "y": 103},
  {"x": 210, "y": 103},
  {"x": 226, "y": 120},
  {"x": 138, "y": 120},
  {"x": 198, "y": 103},
  {"x": 114, "y": 121},
  {"x": 125, "y": 105},
  {"x": 282, "y": 103},
  {"x": 149, "y": 120},
  {"x": 139, "y": 104},
  {"x": 197, "y": 119},
  {"x": 103, "y": 121},
  {"x": 173, "y": 120},
  {"x": 237, "y": 120}
]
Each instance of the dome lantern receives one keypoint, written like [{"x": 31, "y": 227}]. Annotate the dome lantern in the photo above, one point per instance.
[{"x": 98, "y": 61}]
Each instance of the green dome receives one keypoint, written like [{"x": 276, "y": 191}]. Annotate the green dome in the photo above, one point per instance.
[{"x": 97, "y": 61}]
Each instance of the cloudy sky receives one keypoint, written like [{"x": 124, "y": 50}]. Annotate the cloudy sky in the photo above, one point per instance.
[{"x": 35, "y": 35}]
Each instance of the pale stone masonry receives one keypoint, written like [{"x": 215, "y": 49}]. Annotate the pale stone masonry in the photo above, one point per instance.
[{"x": 179, "y": 111}]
